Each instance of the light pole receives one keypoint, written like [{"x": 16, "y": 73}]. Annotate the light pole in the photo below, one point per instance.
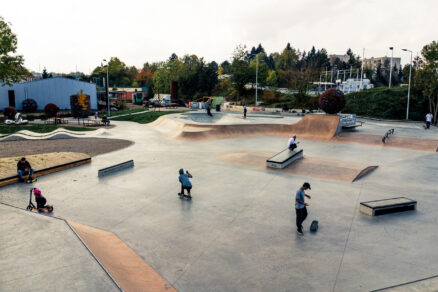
[
  {"x": 257, "y": 76},
  {"x": 409, "y": 86},
  {"x": 390, "y": 66},
  {"x": 107, "y": 87}
]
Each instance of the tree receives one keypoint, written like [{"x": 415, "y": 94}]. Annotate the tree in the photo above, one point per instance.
[
  {"x": 240, "y": 73},
  {"x": 11, "y": 65},
  {"x": 262, "y": 68},
  {"x": 272, "y": 79},
  {"x": 427, "y": 78}
]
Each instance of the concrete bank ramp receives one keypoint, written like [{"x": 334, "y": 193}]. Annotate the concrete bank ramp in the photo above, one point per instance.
[
  {"x": 312, "y": 126},
  {"x": 126, "y": 267},
  {"x": 392, "y": 142},
  {"x": 308, "y": 166},
  {"x": 41, "y": 253}
]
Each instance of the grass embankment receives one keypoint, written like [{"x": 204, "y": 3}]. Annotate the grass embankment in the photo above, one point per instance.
[
  {"x": 124, "y": 112},
  {"x": 385, "y": 103},
  {"x": 145, "y": 118},
  {"x": 38, "y": 128}
]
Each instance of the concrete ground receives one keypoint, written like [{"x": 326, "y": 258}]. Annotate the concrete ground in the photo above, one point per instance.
[{"x": 238, "y": 233}]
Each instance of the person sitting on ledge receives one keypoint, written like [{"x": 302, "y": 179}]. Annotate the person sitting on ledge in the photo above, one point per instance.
[
  {"x": 292, "y": 143},
  {"x": 24, "y": 168}
]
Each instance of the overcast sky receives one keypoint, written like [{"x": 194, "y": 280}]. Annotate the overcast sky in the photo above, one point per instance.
[{"x": 62, "y": 34}]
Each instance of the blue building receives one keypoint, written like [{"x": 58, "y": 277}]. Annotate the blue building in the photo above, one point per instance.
[{"x": 55, "y": 90}]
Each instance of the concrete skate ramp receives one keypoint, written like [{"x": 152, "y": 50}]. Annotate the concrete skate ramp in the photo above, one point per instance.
[
  {"x": 394, "y": 141},
  {"x": 314, "y": 127},
  {"x": 126, "y": 267},
  {"x": 308, "y": 166}
]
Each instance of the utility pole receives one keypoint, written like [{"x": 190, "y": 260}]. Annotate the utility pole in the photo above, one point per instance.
[
  {"x": 361, "y": 74},
  {"x": 409, "y": 86},
  {"x": 390, "y": 66},
  {"x": 107, "y": 86},
  {"x": 325, "y": 83}
]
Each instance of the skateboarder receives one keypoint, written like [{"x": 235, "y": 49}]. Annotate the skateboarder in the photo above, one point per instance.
[
  {"x": 184, "y": 179},
  {"x": 24, "y": 168},
  {"x": 300, "y": 206},
  {"x": 292, "y": 143},
  {"x": 429, "y": 118}
]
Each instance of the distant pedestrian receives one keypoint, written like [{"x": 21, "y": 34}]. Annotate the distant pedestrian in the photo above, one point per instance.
[
  {"x": 245, "y": 110},
  {"x": 429, "y": 118},
  {"x": 300, "y": 206},
  {"x": 96, "y": 115},
  {"x": 208, "y": 107}
]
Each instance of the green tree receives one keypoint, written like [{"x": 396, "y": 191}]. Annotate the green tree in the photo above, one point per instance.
[
  {"x": 272, "y": 79},
  {"x": 262, "y": 68},
  {"x": 11, "y": 65},
  {"x": 240, "y": 73}
]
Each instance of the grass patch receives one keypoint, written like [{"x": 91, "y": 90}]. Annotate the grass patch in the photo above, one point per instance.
[
  {"x": 146, "y": 117},
  {"x": 124, "y": 112},
  {"x": 38, "y": 128}
]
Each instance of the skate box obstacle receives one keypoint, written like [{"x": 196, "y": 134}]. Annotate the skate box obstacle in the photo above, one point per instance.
[
  {"x": 387, "y": 206},
  {"x": 284, "y": 158},
  {"x": 115, "y": 168}
]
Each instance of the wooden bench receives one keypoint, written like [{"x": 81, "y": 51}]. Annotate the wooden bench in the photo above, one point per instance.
[{"x": 387, "y": 206}]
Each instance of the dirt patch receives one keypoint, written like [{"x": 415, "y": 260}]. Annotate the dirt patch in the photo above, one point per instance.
[
  {"x": 90, "y": 146},
  {"x": 126, "y": 267},
  {"x": 8, "y": 165},
  {"x": 308, "y": 166}
]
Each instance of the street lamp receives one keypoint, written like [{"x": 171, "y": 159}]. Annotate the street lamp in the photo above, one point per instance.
[
  {"x": 390, "y": 66},
  {"x": 257, "y": 77},
  {"x": 107, "y": 86},
  {"x": 409, "y": 86}
]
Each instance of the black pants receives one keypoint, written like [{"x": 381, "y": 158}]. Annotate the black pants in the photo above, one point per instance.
[
  {"x": 428, "y": 125},
  {"x": 293, "y": 146},
  {"x": 301, "y": 216},
  {"x": 209, "y": 112},
  {"x": 185, "y": 188},
  {"x": 244, "y": 114}
]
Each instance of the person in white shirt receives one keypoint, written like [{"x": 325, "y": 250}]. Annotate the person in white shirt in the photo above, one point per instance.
[
  {"x": 292, "y": 143},
  {"x": 429, "y": 118}
]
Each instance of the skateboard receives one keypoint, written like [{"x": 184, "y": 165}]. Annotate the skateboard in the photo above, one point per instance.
[
  {"x": 184, "y": 196},
  {"x": 314, "y": 226},
  {"x": 29, "y": 181}
]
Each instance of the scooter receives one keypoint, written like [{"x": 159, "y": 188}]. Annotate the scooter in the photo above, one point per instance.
[{"x": 31, "y": 206}]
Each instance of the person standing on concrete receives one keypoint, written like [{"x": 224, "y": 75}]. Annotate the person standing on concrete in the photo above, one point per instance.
[
  {"x": 292, "y": 143},
  {"x": 208, "y": 107},
  {"x": 429, "y": 118},
  {"x": 245, "y": 110},
  {"x": 300, "y": 206}
]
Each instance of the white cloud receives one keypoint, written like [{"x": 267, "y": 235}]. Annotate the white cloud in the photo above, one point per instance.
[{"x": 62, "y": 34}]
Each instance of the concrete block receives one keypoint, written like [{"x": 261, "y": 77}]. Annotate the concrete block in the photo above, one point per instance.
[{"x": 387, "y": 206}]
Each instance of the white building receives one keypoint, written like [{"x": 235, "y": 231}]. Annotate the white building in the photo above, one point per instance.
[
  {"x": 353, "y": 85},
  {"x": 55, "y": 90}
]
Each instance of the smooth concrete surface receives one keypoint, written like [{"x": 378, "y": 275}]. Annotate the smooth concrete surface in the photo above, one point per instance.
[
  {"x": 238, "y": 233},
  {"x": 39, "y": 253}
]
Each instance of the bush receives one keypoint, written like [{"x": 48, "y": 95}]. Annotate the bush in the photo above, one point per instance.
[
  {"x": 332, "y": 101},
  {"x": 10, "y": 112},
  {"x": 121, "y": 105},
  {"x": 29, "y": 105},
  {"x": 51, "y": 110},
  {"x": 386, "y": 103}
]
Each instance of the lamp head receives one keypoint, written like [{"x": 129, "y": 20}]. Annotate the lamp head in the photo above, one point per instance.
[{"x": 391, "y": 48}]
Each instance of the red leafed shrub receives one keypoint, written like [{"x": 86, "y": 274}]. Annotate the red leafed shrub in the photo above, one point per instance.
[
  {"x": 332, "y": 101},
  {"x": 51, "y": 110},
  {"x": 10, "y": 112}
]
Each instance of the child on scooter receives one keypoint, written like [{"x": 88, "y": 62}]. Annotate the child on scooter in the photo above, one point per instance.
[{"x": 41, "y": 202}]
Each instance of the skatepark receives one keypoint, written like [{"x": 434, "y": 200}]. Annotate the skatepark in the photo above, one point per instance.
[{"x": 129, "y": 230}]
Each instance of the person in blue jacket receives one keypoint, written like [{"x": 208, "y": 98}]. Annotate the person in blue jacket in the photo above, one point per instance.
[{"x": 184, "y": 179}]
